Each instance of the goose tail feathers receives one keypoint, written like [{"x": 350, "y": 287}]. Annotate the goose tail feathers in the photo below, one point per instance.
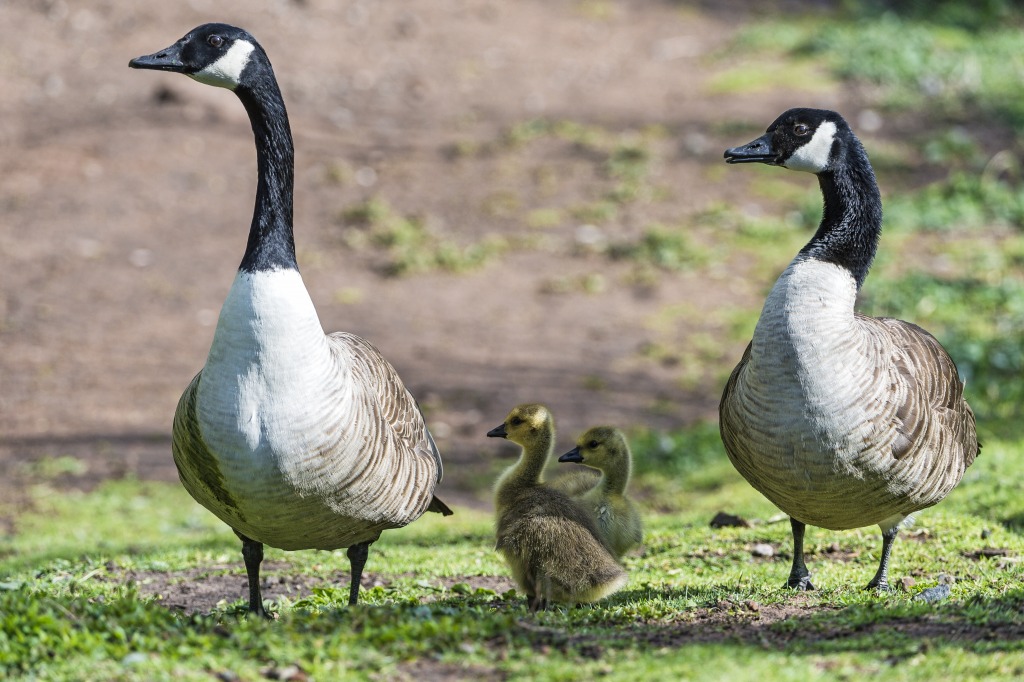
[{"x": 439, "y": 507}]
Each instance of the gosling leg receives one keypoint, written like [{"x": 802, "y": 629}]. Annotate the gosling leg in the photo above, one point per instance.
[
  {"x": 357, "y": 558},
  {"x": 252, "y": 553},
  {"x": 799, "y": 576},
  {"x": 881, "y": 579},
  {"x": 538, "y": 600}
]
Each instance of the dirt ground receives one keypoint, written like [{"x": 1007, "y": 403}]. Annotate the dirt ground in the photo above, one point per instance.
[{"x": 125, "y": 199}]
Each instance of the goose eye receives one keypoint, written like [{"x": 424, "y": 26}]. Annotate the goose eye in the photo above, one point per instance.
[
  {"x": 801, "y": 129},
  {"x": 592, "y": 445},
  {"x": 215, "y": 40},
  {"x": 515, "y": 421}
]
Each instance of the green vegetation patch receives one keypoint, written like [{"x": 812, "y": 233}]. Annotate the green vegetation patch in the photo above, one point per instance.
[
  {"x": 408, "y": 244},
  {"x": 936, "y": 60},
  {"x": 965, "y": 200}
]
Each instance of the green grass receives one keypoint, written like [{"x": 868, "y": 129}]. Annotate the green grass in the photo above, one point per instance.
[
  {"x": 963, "y": 201},
  {"x": 70, "y": 607},
  {"x": 407, "y": 243},
  {"x": 770, "y": 76},
  {"x": 660, "y": 246},
  {"x": 907, "y": 58}
]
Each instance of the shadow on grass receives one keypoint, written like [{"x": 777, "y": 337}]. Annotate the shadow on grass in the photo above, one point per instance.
[{"x": 795, "y": 626}]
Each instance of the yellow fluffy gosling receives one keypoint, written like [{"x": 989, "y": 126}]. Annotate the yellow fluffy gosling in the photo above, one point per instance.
[
  {"x": 550, "y": 542},
  {"x": 604, "y": 448}
]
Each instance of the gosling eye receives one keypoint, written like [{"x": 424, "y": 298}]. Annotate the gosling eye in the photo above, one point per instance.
[
  {"x": 515, "y": 421},
  {"x": 801, "y": 129},
  {"x": 593, "y": 444},
  {"x": 215, "y": 40}
]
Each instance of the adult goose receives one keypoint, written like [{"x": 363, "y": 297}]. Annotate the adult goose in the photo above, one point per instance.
[
  {"x": 551, "y": 543},
  {"x": 294, "y": 438},
  {"x": 840, "y": 419}
]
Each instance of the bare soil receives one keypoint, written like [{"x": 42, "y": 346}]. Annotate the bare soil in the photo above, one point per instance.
[
  {"x": 201, "y": 590},
  {"x": 125, "y": 200}
]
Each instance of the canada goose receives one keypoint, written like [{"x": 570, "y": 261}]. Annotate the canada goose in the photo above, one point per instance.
[
  {"x": 550, "y": 543},
  {"x": 840, "y": 419},
  {"x": 604, "y": 448},
  {"x": 294, "y": 438}
]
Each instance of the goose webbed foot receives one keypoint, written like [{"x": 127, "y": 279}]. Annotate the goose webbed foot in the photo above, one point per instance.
[
  {"x": 252, "y": 553},
  {"x": 357, "y": 558},
  {"x": 799, "y": 576},
  {"x": 800, "y": 583},
  {"x": 880, "y": 586},
  {"x": 880, "y": 582}
]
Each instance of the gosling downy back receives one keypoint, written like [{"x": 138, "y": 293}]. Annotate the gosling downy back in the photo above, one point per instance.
[{"x": 550, "y": 543}]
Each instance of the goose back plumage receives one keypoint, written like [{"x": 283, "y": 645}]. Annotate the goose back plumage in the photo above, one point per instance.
[{"x": 575, "y": 483}]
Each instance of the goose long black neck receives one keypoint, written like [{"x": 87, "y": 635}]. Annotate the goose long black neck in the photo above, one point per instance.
[
  {"x": 271, "y": 243},
  {"x": 851, "y": 222}
]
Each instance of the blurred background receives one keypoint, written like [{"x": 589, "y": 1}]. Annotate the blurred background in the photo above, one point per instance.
[{"x": 515, "y": 201}]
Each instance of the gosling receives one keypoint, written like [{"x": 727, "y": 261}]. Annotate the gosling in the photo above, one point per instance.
[
  {"x": 551, "y": 543},
  {"x": 604, "y": 448}
]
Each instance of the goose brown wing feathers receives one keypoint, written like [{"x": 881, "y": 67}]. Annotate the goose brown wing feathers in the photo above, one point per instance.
[
  {"x": 725, "y": 421},
  {"x": 935, "y": 394},
  {"x": 398, "y": 409}
]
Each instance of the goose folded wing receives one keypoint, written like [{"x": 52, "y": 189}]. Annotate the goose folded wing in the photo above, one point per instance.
[
  {"x": 397, "y": 407},
  {"x": 935, "y": 391}
]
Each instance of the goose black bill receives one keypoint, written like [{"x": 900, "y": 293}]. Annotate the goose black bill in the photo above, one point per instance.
[
  {"x": 168, "y": 59},
  {"x": 758, "y": 151}
]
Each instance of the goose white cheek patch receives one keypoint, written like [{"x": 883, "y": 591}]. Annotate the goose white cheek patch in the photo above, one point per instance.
[
  {"x": 226, "y": 72},
  {"x": 813, "y": 156}
]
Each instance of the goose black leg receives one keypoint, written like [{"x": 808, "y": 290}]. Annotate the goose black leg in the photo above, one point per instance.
[
  {"x": 357, "y": 557},
  {"x": 799, "y": 576},
  {"x": 881, "y": 579},
  {"x": 252, "y": 552}
]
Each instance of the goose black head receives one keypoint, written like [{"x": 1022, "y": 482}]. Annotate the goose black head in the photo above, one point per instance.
[
  {"x": 215, "y": 54},
  {"x": 808, "y": 140}
]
